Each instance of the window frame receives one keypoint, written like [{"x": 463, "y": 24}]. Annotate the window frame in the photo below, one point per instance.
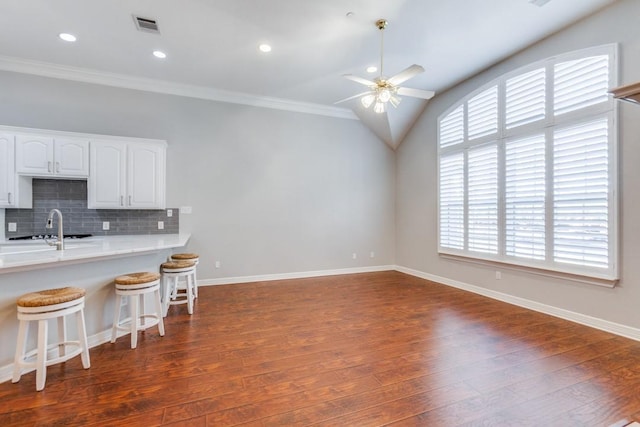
[{"x": 546, "y": 126}]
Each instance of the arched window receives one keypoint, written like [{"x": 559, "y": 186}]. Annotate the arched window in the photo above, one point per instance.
[{"x": 527, "y": 168}]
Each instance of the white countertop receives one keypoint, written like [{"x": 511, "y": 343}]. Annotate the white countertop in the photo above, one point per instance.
[{"x": 23, "y": 255}]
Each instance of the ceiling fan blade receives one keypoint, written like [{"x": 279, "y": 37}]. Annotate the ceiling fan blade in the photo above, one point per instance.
[
  {"x": 416, "y": 93},
  {"x": 359, "y": 80},
  {"x": 405, "y": 74},
  {"x": 353, "y": 97}
]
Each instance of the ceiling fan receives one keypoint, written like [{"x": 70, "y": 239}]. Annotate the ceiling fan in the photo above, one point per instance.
[{"x": 383, "y": 90}]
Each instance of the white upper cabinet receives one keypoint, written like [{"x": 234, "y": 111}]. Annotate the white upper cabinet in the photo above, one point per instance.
[
  {"x": 126, "y": 175},
  {"x": 146, "y": 176},
  {"x": 7, "y": 172},
  {"x": 42, "y": 155}
]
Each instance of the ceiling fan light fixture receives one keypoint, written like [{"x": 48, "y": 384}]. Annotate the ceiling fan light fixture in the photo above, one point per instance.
[
  {"x": 395, "y": 100},
  {"x": 378, "y": 108},
  {"x": 367, "y": 100},
  {"x": 384, "y": 95}
]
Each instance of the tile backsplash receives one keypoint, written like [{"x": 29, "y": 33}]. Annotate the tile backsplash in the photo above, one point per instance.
[{"x": 70, "y": 196}]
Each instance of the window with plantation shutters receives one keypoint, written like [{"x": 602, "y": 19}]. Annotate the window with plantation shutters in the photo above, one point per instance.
[
  {"x": 452, "y": 201},
  {"x": 525, "y": 98},
  {"x": 483, "y": 113},
  {"x": 580, "y": 83},
  {"x": 452, "y": 128},
  {"x": 528, "y": 171},
  {"x": 525, "y": 197},
  {"x": 581, "y": 194},
  {"x": 483, "y": 199}
]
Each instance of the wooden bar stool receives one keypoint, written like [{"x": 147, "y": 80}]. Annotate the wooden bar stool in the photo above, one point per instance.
[
  {"x": 42, "y": 306},
  {"x": 172, "y": 272},
  {"x": 195, "y": 258},
  {"x": 136, "y": 286}
]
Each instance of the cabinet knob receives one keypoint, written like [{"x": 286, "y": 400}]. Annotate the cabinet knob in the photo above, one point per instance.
[
  {"x": 121, "y": 200},
  {"x": 129, "y": 200},
  {"x": 48, "y": 166},
  {"x": 9, "y": 195},
  {"x": 57, "y": 167}
]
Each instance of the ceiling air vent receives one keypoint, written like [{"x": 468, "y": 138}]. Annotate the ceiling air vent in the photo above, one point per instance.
[{"x": 146, "y": 24}]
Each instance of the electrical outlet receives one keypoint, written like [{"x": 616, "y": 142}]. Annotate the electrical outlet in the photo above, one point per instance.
[
  {"x": 354, "y": 255},
  {"x": 169, "y": 213},
  {"x": 13, "y": 226},
  {"x": 185, "y": 209},
  {"x": 160, "y": 225},
  {"x": 217, "y": 264},
  {"x": 372, "y": 254},
  {"x": 105, "y": 225},
  {"x": 498, "y": 275}
]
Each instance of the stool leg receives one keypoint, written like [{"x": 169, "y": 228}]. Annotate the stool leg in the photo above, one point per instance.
[
  {"x": 82, "y": 337},
  {"x": 21, "y": 348},
  {"x": 167, "y": 293},
  {"x": 41, "y": 360},
  {"x": 134, "y": 321},
  {"x": 142, "y": 311},
  {"x": 189, "y": 283},
  {"x": 116, "y": 317},
  {"x": 62, "y": 335},
  {"x": 195, "y": 281},
  {"x": 156, "y": 295}
]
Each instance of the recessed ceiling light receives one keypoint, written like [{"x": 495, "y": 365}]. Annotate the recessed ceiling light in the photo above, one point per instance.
[
  {"x": 159, "y": 54},
  {"x": 372, "y": 69},
  {"x": 67, "y": 37},
  {"x": 264, "y": 48}
]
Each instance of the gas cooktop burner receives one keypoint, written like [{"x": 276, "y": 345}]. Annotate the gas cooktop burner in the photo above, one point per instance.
[{"x": 50, "y": 236}]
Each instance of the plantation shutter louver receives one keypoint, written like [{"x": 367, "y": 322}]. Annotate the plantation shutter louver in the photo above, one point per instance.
[
  {"x": 580, "y": 83},
  {"x": 525, "y": 98},
  {"x": 581, "y": 202},
  {"x": 483, "y": 199},
  {"x": 483, "y": 113},
  {"x": 525, "y": 197},
  {"x": 452, "y": 201}
]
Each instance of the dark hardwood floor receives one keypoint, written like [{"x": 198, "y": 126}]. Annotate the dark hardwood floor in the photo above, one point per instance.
[{"x": 355, "y": 350}]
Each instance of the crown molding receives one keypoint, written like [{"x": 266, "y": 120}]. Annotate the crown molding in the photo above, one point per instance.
[{"x": 47, "y": 69}]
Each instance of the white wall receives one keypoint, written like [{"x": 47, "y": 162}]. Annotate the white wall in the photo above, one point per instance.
[
  {"x": 417, "y": 186},
  {"x": 271, "y": 191}
]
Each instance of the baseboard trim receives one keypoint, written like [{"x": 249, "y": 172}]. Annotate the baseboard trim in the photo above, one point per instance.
[
  {"x": 583, "y": 319},
  {"x": 296, "y": 275}
]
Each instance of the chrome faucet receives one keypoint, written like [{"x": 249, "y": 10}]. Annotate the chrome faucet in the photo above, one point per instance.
[{"x": 59, "y": 244}]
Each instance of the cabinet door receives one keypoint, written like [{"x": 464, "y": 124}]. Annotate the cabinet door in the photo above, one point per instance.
[
  {"x": 106, "y": 184},
  {"x": 34, "y": 154},
  {"x": 146, "y": 176},
  {"x": 71, "y": 157},
  {"x": 7, "y": 172}
]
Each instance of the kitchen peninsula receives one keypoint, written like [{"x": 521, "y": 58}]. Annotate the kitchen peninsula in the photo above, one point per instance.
[{"x": 90, "y": 263}]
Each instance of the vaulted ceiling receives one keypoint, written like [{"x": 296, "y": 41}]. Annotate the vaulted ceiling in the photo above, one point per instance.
[{"x": 212, "y": 46}]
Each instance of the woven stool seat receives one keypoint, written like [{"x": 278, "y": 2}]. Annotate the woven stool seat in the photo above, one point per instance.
[
  {"x": 137, "y": 278},
  {"x": 185, "y": 256},
  {"x": 177, "y": 265},
  {"x": 50, "y": 297}
]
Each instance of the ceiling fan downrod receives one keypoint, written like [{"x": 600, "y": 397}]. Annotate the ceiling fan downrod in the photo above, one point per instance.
[{"x": 381, "y": 24}]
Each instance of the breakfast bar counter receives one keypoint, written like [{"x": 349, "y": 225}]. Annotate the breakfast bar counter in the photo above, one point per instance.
[{"x": 20, "y": 255}]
